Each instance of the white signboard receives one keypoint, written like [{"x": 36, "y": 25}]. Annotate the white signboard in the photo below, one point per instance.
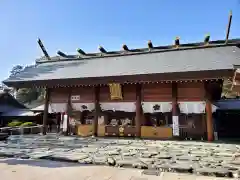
[
  {"x": 75, "y": 98},
  {"x": 175, "y": 126}
]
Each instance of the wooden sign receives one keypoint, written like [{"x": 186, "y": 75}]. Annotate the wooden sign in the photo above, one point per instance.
[{"x": 115, "y": 91}]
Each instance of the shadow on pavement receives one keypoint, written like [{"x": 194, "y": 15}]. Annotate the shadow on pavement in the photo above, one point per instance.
[{"x": 39, "y": 163}]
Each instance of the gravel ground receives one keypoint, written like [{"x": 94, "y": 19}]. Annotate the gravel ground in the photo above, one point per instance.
[{"x": 152, "y": 158}]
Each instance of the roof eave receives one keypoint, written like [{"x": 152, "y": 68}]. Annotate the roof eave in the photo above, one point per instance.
[{"x": 175, "y": 76}]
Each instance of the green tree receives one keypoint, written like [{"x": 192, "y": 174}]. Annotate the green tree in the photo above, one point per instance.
[
  {"x": 26, "y": 95},
  {"x": 16, "y": 70}
]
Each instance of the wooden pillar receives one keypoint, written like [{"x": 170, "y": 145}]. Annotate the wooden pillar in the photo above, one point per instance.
[
  {"x": 97, "y": 110},
  {"x": 69, "y": 106},
  {"x": 175, "y": 111},
  {"x": 138, "y": 117},
  {"x": 209, "y": 120},
  {"x": 45, "y": 113}
]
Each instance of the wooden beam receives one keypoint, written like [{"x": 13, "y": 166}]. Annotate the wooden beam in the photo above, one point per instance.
[
  {"x": 43, "y": 49},
  {"x": 125, "y": 48},
  {"x": 138, "y": 117},
  {"x": 206, "y": 39},
  {"x": 45, "y": 113},
  {"x": 228, "y": 26},
  {"x": 60, "y": 53},
  {"x": 80, "y": 51},
  {"x": 177, "y": 42},
  {"x": 102, "y": 50},
  {"x": 97, "y": 110},
  {"x": 150, "y": 45}
]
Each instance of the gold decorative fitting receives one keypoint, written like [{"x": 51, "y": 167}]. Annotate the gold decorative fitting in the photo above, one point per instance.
[
  {"x": 121, "y": 129},
  {"x": 115, "y": 91}
]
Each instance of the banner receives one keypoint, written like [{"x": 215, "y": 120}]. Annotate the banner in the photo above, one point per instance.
[
  {"x": 65, "y": 119},
  {"x": 175, "y": 126}
]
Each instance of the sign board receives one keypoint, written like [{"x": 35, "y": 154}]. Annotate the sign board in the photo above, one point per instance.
[
  {"x": 75, "y": 98},
  {"x": 175, "y": 126}
]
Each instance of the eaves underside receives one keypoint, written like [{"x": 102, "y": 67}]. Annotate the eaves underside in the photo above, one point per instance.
[{"x": 161, "y": 77}]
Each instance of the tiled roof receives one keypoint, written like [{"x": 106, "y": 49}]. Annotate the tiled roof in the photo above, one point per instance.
[{"x": 133, "y": 63}]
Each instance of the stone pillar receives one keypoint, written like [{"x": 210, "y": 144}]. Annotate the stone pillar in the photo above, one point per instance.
[
  {"x": 175, "y": 111},
  {"x": 138, "y": 117},
  {"x": 209, "y": 120},
  {"x": 97, "y": 110},
  {"x": 45, "y": 113}
]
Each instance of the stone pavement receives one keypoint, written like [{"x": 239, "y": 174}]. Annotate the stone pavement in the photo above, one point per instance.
[
  {"x": 189, "y": 157},
  {"x": 12, "y": 169}
]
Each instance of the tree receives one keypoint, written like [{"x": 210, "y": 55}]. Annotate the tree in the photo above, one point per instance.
[
  {"x": 26, "y": 95},
  {"x": 16, "y": 70}
]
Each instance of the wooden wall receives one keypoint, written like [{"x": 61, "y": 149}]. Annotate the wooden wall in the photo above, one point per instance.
[
  {"x": 191, "y": 91},
  {"x": 86, "y": 94},
  {"x": 156, "y": 92},
  {"x": 161, "y": 92},
  {"x": 60, "y": 95}
]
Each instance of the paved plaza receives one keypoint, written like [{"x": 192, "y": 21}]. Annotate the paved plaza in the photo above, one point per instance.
[
  {"x": 12, "y": 169},
  {"x": 104, "y": 158}
]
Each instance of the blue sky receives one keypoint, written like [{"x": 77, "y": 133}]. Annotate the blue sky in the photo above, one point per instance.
[{"x": 70, "y": 24}]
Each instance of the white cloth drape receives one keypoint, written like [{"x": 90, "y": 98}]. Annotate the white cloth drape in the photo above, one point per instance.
[
  {"x": 196, "y": 107},
  {"x": 119, "y": 106},
  {"x": 151, "y": 107},
  {"x": 83, "y": 106},
  {"x": 57, "y": 107}
]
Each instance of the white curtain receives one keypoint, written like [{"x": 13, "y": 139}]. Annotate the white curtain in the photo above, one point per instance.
[
  {"x": 119, "y": 106},
  {"x": 151, "y": 107},
  {"x": 196, "y": 107},
  {"x": 83, "y": 106},
  {"x": 57, "y": 107}
]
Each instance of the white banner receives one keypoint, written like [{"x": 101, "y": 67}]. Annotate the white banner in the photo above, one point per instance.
[
  {"x": 65, "y": 119},
  {"x": 175, "y": 126}
]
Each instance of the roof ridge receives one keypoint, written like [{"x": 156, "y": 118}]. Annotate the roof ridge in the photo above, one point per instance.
[{"x": 157, "y": 49}]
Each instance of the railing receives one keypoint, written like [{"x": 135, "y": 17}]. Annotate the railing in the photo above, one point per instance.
[{"x": 22, "y": 130}]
